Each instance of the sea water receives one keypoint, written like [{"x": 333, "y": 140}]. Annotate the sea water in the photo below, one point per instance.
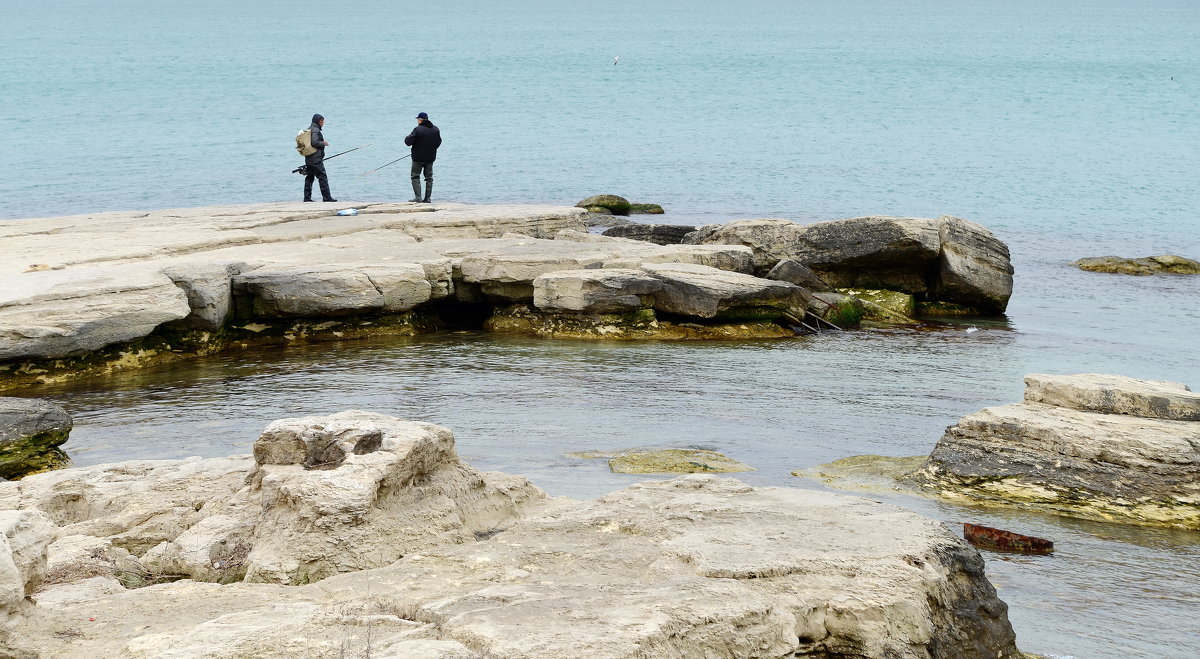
[{"x": 1067, "y": 127}]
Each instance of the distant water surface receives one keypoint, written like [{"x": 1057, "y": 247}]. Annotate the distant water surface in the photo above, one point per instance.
[{"x": 1067, "y": 127}]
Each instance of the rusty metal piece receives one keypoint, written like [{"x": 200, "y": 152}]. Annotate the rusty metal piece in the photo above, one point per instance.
[{"x": 1000, "y": 540}]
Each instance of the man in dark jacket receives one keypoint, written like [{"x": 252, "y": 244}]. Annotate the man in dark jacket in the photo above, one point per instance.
[
  {"x": 424, "y": 139},
  {"x": 314, "y": 163}
]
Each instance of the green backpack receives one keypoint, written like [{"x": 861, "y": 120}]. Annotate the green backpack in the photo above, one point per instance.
[{"x": 304, "y": 143}]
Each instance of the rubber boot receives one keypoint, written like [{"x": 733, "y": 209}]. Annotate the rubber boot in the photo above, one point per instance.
[
  {"x": 428, "y": 191},
  {"x": 416, "y": 190}
]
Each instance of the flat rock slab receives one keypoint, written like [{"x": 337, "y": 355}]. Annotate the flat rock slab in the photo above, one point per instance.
[
  {"x": 675, "y": 461},
  {"x": 1150, "y": 265},
  {"x": 1114, "y": 394}
]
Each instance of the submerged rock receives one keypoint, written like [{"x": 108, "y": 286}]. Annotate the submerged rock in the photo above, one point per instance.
[
  {"x": 646, "y": 209},
  {"x": 1092, "y": 446},
  {"x": 420, "y": 555},
  {"x": 675, "y": 461},
  {"x": 659, "y": 234},
  {"x": 31, "y": 430},
  {"x": 1150, "y": 265}
]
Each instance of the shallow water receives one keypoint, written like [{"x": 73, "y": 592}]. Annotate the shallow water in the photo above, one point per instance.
[{"x": 521, "y": 405}]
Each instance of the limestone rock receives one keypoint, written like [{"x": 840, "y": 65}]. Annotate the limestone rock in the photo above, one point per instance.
[
  {"x": 615, "y": 204},
  {"x": 209, "y": 291},
  {"x": 31, "y": 430},
  {"x": 947, "y": 258},
  {"x": 348, "y": 491},
  {"x": 1150, "y": 265},
  {"x": 595, "y": 291},
  {"x": 1114, "y": 394},
  {"x": 660, "y": 234},
  {"x": 675, "y": 461},
  {"x": 695, "y": 290},
  {"x": 1089, "y": 464},
  {"x": 333, "y": 290},
  {"x": 974, "y": 266},
  {"x": 799, "y": 274},
  {"x": 25, "y": 536}
]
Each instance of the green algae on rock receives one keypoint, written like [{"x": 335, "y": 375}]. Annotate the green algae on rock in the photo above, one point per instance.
[
  {"x": 675, "y": 461},
  {"x": 615, "y": 204},
  {"x": 31, "y": 431}
]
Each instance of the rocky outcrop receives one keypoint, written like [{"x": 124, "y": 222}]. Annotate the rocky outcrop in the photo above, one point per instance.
[
  {"x": 694, "y": 566},
  {"x": 31, "y": 430},
  {"x": 1150, "y": 265},
  {"x": 1093, "y": 446},
  {"x": 948, "y": 259},
  {"x": 659, "y": 234},
  {"x": 612, "y": 203}
]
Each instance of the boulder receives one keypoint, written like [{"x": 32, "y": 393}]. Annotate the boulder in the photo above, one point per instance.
[
  {"x": 613, "y": 203},
  {"x": 31, "y": 430},
  {"x": 25, "y": 536},
  {"x": 947, "y": 258},
  {"x": 348, "y": 491},
  {"x": 1150, "y": 265},
  {"x": 1075, "y": 447},
  {"x": 209, "y": 290},
  {"x": 595, "y": 291},
  {"x": 704, "y": 292},
  {"x": 660, "y": 234},
  {"x": 973, "y": 267}
]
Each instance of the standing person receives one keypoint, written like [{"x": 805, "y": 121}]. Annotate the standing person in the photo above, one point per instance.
[
  {"x": 424, "y": 139},
  {"x": 314, "y": 162}
]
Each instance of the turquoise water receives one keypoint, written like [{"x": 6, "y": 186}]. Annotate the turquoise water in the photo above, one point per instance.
[{"x": 1067, "y": 127}]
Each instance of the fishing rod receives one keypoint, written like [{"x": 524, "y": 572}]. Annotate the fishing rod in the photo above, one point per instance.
[
  {"x": 303, "y": 169},
  {"x": 382, "y": 166}
]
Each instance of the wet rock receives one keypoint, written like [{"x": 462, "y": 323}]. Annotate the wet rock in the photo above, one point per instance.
[
  {"x": 614, "y": 204},
  {"x": 947, "y": 258},
  {"x": 31, "y": 430},
  {"x": 1092, "y": 464},
  {"x": 646, "y": 209},
  {"x": 1150, "y": 265},
  {"x": 660, "y": 234},
  {"x": 675, "y": 461},
  {"x": 884, "y": 306},
  {"x": 703, "y": 292}
]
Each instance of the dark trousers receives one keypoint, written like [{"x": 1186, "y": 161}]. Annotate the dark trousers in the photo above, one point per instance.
[
  {"x": 316, "y": 171},
  {"x": 417, "y": 169}
]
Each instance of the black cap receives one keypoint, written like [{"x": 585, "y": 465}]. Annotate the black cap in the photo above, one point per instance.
[
  {"x": 422, "y": 115},
  {"x": 316, "y": 118}
]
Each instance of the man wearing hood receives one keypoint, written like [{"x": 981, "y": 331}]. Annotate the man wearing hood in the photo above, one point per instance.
[
  {"x": 424, "y": 139},
  {"x": 314, "y": 162}
]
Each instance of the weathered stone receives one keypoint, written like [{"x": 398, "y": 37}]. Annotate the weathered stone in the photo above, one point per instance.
[
  {"x": 1150, "y": 265},
  {"x": 31, "y": 430},
  {"x": 799, "y": 274},
  {"x": 844, "y": 311},
  {"x": 1114, "y": 394},
  {"x": 640, "y": 324},
  {"x": 659, "y": 234},
  {"x": 209, "y": 291},
  {"x": 615, "y": 204},
  {"x": 333, "y": 290},
  {"x": 675, "y": 461},
  {"x": 595, "y": 291},
  {"x": 884, "y": 306},
  {"x": 974, "y": 266},
  {"x": 25, "y": 536},
  {"x": 696, "y": 290},
  {"x": 1113, "y": 467},
  {"x": 646, "y": 209}
]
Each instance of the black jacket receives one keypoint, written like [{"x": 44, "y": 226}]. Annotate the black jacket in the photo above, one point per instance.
[
  {"x": 424, "y": 139},
  {"x": 318, "y": 141}
]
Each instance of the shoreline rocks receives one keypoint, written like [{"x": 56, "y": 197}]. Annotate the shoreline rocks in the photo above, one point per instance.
[
  {"x": 424, "y": 554},
  {"x": 1150, "y": 265},
  {"x": 31, "y": 432},
  {"x": 1093, "y": 446}
]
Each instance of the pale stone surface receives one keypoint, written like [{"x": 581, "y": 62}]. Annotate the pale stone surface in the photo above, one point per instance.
[
  {"x": 1115, "y": 394},
  {"x": 595, "y": 291},
  {"x": 328, "y": 290},
  {"x": 208, "y": 287},
  {"x": 705, "y": 292},
  {"x": 1113, "y": 467},
  {"x": 25, "y": 536},
  {"x": 1150, "y": 265}
]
